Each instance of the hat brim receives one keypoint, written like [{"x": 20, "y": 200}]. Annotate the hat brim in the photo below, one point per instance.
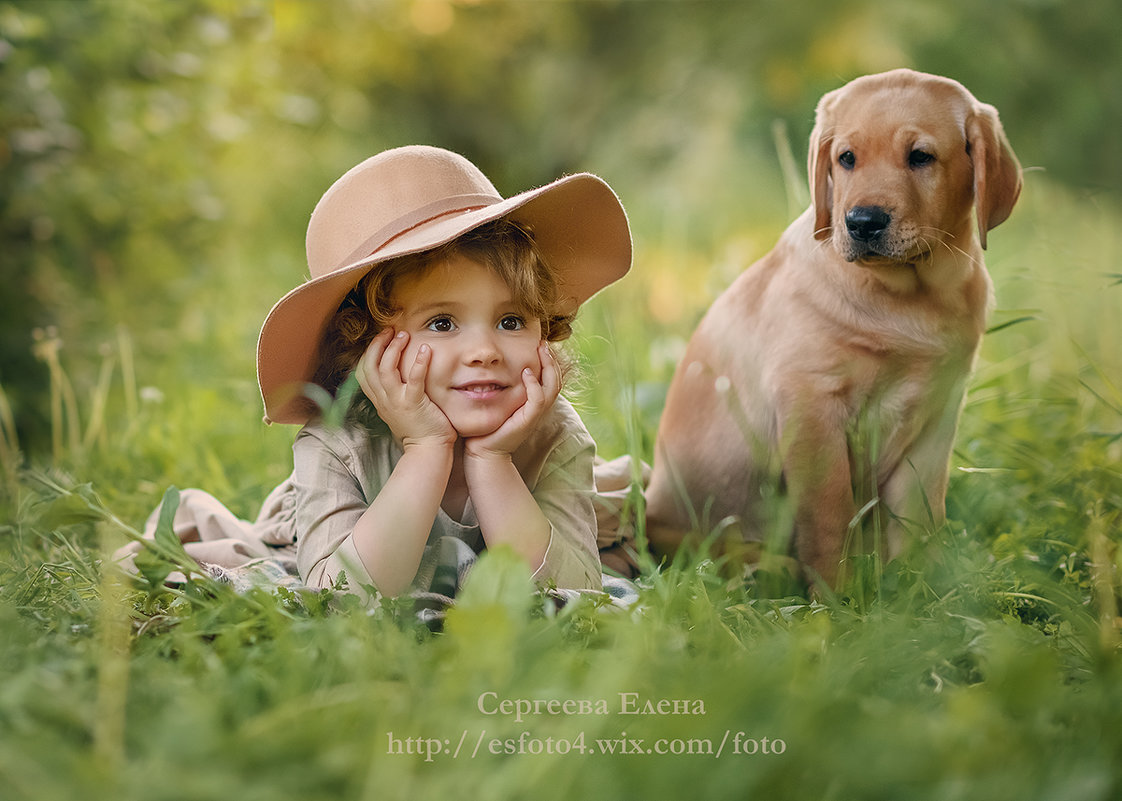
[{"x": 580, "y": 229}]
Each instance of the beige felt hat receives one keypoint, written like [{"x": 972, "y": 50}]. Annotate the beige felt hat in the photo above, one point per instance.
[{"x": 412, "y": 199}]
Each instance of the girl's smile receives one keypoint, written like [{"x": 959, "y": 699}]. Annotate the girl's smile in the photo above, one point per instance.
[
  {"x": 481, "y": 390},
  {"x": 481, "y": 342}
]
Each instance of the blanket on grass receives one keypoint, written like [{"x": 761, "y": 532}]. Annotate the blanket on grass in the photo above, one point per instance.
[{"x": 245, "y": 555}]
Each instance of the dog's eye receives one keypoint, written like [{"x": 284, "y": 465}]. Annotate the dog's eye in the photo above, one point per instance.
[
  {"x": 847, "y": 159},
  {"x": 919, "y": 158}
]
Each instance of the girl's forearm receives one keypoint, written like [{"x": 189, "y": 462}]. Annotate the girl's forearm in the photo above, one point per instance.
[
  {"x": 505, "y": 508},
  {"x": 390, "y": 536}
]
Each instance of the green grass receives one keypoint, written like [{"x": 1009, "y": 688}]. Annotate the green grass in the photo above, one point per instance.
[{"x": 983, "y": 664}]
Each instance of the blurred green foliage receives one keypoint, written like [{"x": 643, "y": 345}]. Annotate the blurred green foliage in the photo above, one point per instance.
[{"x": 153, "y": 151}]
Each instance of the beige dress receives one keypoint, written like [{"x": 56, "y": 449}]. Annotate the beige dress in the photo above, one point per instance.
[{"x": 306, "y": 523}]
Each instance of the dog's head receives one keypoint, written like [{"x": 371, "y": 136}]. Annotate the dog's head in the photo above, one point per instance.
[{"x": 899, "y": 161}]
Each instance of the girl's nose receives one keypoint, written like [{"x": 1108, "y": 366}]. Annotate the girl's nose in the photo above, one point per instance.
[{"x": 483, "y": 349}]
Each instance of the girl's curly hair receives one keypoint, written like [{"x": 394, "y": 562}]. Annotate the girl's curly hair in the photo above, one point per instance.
[{"x": 502, "y": 245}]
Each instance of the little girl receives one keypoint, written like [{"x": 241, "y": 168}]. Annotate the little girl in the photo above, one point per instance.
[{"x": 442, "y": 299}]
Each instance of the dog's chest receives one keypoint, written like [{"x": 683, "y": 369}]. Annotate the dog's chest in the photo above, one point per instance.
[{"x": 896, "y": 399}]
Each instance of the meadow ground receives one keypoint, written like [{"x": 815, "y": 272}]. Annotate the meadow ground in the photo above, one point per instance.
[{"x": 985, "y": 663}]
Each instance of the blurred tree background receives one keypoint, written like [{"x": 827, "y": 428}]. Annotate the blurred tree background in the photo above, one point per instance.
[{"x": 158, "y": 160}]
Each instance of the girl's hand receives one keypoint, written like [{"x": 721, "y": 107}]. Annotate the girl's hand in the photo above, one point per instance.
[
  {"x": 540, "y": 396},
  {"x": 400, "y": 396}
]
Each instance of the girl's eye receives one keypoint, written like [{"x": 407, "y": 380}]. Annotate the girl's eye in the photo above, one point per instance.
[
  {"x": 512, "y": 322},
  {"x": 441, "y": 325}
]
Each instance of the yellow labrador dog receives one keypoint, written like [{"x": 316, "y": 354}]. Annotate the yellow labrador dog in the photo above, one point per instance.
[{"x": 833, "y": 370}]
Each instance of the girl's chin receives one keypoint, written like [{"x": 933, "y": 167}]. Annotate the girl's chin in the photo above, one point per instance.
[
  {"x": 477, "y": 425},
  {"x": 479, "y": 422}
]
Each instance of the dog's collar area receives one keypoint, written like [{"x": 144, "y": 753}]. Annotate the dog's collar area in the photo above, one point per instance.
[{"x": 897, "y": 277}]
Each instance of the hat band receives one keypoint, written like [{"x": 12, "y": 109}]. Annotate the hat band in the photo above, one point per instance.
[{"x": 457, "y": 204}]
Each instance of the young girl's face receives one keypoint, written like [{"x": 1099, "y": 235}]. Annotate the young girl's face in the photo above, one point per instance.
[{"x": 481, "y": 342}]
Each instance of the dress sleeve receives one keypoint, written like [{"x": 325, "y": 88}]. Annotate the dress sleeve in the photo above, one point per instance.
[
  {"x": 329, "y": 501},
  {"x": 564, "y": 493}
]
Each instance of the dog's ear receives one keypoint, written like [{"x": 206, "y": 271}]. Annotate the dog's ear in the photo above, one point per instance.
[
  {"x": 997, "y": 173},
  {"x": 818, "y": 168}
]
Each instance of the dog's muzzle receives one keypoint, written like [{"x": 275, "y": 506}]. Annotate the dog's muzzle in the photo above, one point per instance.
[
  {"x": 869, "y": 235},
  {"x": 867, "y": 224}
]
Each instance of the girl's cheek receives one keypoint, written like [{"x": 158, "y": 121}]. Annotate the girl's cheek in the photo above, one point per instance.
[
  {"x": 409, "y": 356},
  {"x": 536, "y": 362},
  {"x": 436, "y": 362}
]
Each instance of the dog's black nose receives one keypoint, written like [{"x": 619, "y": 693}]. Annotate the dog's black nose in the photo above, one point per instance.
[{"x": 866, "y": 223}]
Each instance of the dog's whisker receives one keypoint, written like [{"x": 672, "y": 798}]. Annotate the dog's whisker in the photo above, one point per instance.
[
  {"x": 931, "y": 238},
  {"x": 946, "y": 241}
]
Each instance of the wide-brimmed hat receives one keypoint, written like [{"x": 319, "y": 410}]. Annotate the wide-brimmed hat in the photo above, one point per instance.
[{"x": 416, "y": 198}]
